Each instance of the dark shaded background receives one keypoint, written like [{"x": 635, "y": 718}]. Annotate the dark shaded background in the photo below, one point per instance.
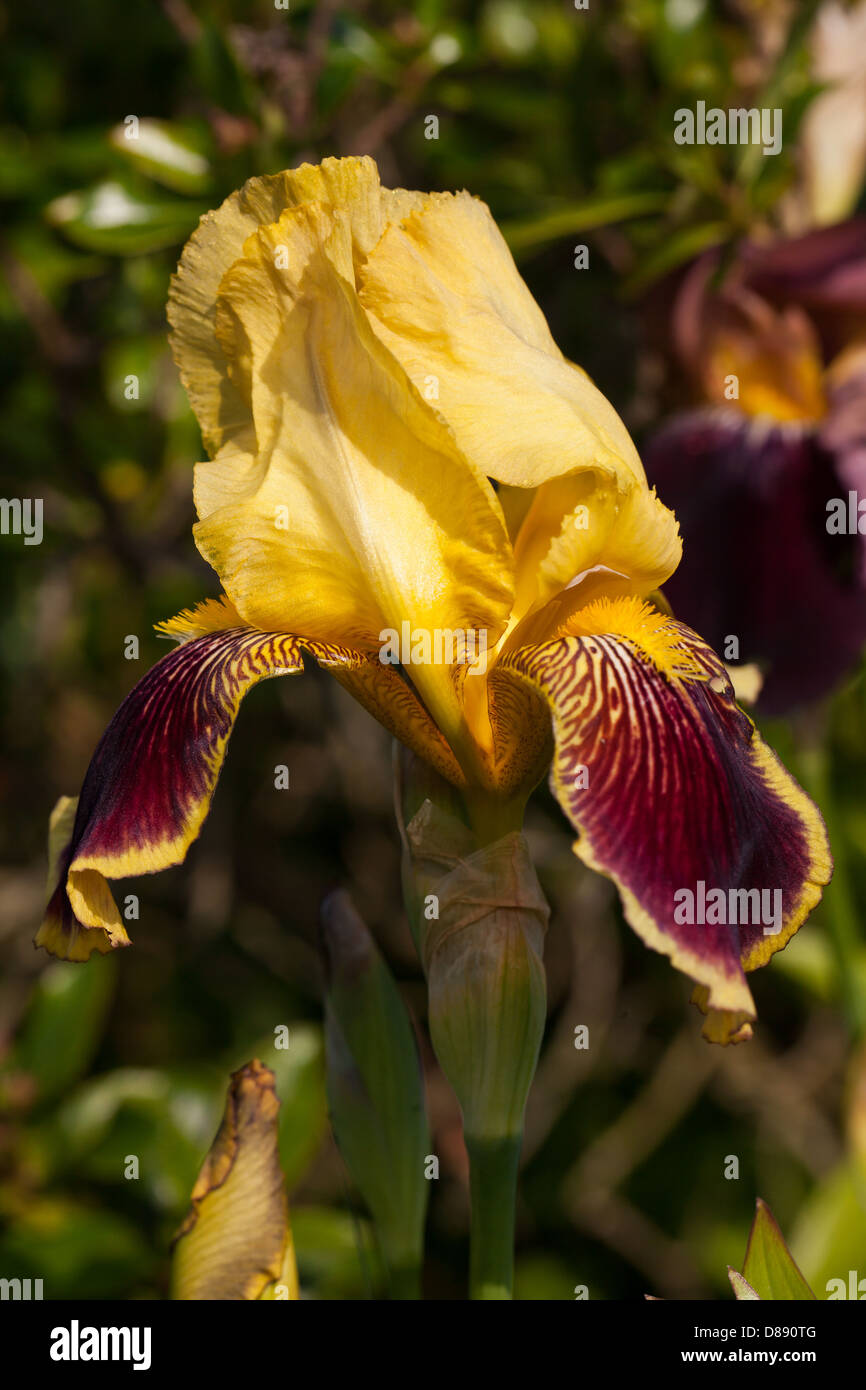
[{"x": 561, "y": 120}]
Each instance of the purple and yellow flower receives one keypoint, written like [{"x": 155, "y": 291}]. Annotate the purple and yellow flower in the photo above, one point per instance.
[
  {"x": 768, "y": 474},
  {"x": 397, "y": 446}
]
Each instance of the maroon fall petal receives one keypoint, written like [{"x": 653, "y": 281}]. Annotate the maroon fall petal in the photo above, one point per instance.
[
  {"x": 150, "y": 782},
  {"x": 675, "y": 796}
]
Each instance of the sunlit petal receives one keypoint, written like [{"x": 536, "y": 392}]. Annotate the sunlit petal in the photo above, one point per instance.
[
  {"x": 671, "y": 787},
  {"x": 358, "y": 514},
  {"x": 149, "y": 785},
  {"x": 575, "y": 524},
  {"x": 445, "y": 296},
  {"x": 352, "y": 184}
]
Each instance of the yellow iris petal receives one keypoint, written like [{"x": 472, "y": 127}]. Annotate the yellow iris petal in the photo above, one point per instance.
[
  {"x": 575, "y": 524},
  {"x": 445, "y": 296},
  {"x": 361, "y": 360},
  {"x": 352, "y": 184},
  {"x": 356, "y": 514}
]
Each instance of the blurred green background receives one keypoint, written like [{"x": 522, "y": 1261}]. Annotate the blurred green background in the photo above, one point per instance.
[{"x": 561, "y": 120}]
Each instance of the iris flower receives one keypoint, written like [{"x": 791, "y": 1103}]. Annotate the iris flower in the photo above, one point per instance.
[
  {"x": 763, "y": 481},
  {"x": 396, "y": 445}
]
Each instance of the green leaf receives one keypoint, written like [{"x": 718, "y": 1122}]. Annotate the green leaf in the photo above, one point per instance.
[
  {"x": 300, "y": 1073},
  {"x": 77, "y": 1249},
  {"x": 769, "y": 1265},
  {"x": 53, "y": 265},
  {"x": 375, "y": 1088},
  {"x": 673, "y": 251},
  {"x": 581, "y": 217},
  {"x": 163, "y": 1120},
  {"x": 165, "y": 152},
  {"x": 830, "y": 1232},
  {"x": 336, "y": 1253},
  {"x": 810, "y": 962},
  {"x": 20, "y": 171},
  {"x": 115, "y": 219},
  {"x": 743, "y": 1290},
  {"x": 139, "y": 357},
  {"x": 63, "y": 1024},
  {"x": 218, "y": 73}
]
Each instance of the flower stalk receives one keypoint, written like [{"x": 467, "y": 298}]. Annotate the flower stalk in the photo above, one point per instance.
[{"x": 479, "y": 918}]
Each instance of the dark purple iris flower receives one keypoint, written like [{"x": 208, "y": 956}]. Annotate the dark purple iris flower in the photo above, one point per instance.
[{"x": 768, "y": 475}]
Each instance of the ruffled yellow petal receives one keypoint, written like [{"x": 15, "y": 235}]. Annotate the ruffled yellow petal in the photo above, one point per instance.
[
  {"x": 575, "y": 524},
  {"x": 350, "y": 184},
  {"x": 357, "y": 513},
  {"x": 218, "y": 242},
  {"x": 445, "y": 296},
  {"x": 340, "y": 502}
]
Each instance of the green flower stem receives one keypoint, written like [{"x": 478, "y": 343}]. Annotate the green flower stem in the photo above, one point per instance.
[
  {"x": 479, "y": 922},
  {"x": 493, "y": 1193}
]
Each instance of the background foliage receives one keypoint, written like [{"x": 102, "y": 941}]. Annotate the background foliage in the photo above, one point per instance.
[{"x": 561, "y": 120}]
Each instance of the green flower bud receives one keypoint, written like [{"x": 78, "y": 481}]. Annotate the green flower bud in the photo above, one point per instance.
[
  {"x": 481, "y": 935},
  {"x": 235, "y": 1242},
  {"x": 480, "y": 918}
]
